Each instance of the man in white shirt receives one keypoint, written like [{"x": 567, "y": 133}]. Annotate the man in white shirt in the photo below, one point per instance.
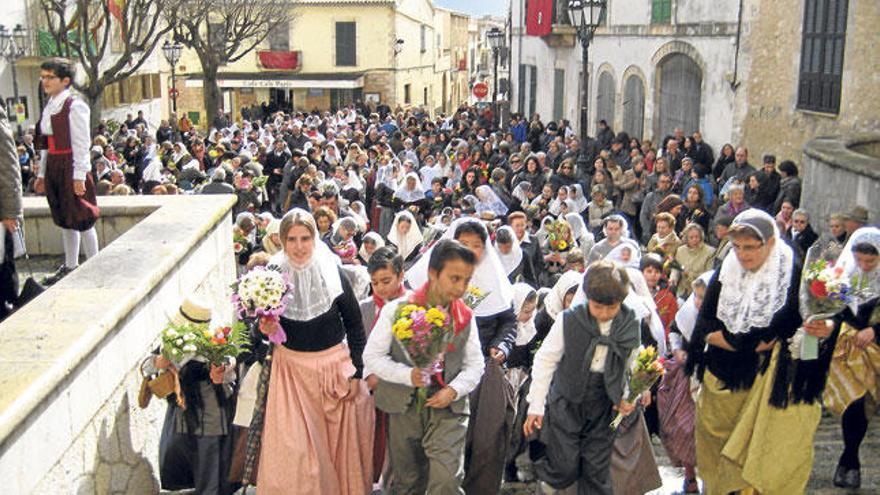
[
  {"x": 63, "y": 138},
  {"x": 426, "y": 445}
]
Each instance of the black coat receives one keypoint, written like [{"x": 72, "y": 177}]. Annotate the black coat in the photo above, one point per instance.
[{"x": 805, "y": 239}]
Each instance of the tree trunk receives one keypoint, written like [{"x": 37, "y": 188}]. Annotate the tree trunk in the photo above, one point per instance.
[
  {"x": 210, "y": 94},
  {"x": 96, "y": 104}
]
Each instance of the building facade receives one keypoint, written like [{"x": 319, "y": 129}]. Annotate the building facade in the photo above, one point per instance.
[
  {"x": 811, "y": 70},
  {"x": 482, "y": 67},
  {"x": 654, "y": 65},
  {"x": 334, "y": 52},
  {"x": 451, "y": 66}
]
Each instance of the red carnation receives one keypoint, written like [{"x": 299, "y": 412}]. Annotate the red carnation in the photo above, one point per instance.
[
  {"x": 817, "y": 288},
  {"x": 450, "y": 347}
]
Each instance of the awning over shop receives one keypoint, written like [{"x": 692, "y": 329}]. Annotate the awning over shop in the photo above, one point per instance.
[{"x": 289, "y": 81}]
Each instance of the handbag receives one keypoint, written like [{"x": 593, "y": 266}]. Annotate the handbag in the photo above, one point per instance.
[
  {"x": 161, "y": 385},
  {"x": 31, "y": 288}
]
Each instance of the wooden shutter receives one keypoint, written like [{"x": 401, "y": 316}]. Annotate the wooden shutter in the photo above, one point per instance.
[
  {"x": 533, "y": 89},
  {"x": 279, "y": 37},
  {"x": 346, "y": 43},
  {"x": 558, "y": 94},
  {"x": 661, "y": 11},
  {"x": 605, "y": 99},
  {"x": 634, "y": 107},
  {"x": 680, "y": 95},
  {"x": 521, "y": 90},
  {"x": 822, "y": 49}
]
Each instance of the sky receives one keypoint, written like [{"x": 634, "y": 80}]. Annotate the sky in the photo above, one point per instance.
[{"x": 476, "y": 7}]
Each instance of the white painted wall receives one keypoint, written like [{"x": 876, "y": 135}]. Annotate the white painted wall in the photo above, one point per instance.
[{"x": 619, "y": 52}]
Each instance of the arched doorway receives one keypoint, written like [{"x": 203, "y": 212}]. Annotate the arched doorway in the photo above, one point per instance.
[
  {"x": 634, "y": 107},
  {"x": 680, "y": 94},
  {"x": 605, "y": 99}
]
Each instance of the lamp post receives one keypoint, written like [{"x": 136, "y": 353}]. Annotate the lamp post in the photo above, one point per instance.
[
  {"x": 496, "y": 41},
  {"x": 172, "y": 51},
  {"x": 12, "y": 48},
  {"x": 585, "y": 16}
]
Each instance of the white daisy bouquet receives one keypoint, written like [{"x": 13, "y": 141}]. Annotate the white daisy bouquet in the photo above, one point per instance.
[
  {"x": 260, "y": 293},
  {"x": 180, "y": 343}
]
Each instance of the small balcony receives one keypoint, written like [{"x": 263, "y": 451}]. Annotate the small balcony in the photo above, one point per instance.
[
  {"x": 280, "y": 60},
  {"x": 562, "y": 33}
]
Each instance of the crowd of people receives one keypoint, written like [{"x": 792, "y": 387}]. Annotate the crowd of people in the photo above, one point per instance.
[{"x": 585, "y": 251}]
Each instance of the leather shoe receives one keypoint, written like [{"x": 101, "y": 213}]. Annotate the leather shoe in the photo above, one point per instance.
[
  {"x": 58, "y": 275},
  {"x": 838, "y": 476},
  {"x": 852, "y": 478}
]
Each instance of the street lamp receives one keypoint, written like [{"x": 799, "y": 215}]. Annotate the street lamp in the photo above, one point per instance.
[
  {"x": 496, "y": 42},
  {"x": 172, "y": 51},
  {"x": 12, "y": 47},
  {"x": 585, "y": 16}
]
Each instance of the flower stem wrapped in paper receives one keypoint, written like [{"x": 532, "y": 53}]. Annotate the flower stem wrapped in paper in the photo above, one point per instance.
[
  {"x": 646, "y": 370},
  {"x": 825, "y": 290},
  {"x": 426, "y": 334},
  {"x": 261, "y": 293}
]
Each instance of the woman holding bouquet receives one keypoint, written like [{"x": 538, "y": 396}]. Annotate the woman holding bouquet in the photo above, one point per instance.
[
  {"x": 853, "y": 390},
  {"x": 751, "y": 432},
  {"x": 317, "y": 436}
]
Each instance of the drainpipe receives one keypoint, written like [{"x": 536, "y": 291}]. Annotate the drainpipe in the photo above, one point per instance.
[{"x": 734, "y": 83}]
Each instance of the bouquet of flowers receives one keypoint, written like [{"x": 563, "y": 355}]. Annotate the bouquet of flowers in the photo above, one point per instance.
[
  {"x": 474, "y": 296},
  {"x": 426, "y": 335},
  {"x": 646, "y": 370},
  {"x": 180, "y": 342},
  {"x": 240, "y": 243},
  {"x": 559, "y": 235},
  {"x": 222, "y": 343},
  {"x": 260, "y": 182},
  {"x": 825, "y": 291},
  {"x": 261, "y": 293}
]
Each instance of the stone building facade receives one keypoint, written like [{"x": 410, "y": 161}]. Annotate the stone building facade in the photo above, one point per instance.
[{"x": 773, "y": 116}]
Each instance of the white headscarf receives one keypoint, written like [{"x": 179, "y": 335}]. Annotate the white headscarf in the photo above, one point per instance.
[
  {"x": 641, "y": 301},
  {"x": 488, "y": 275},
  {"x": 408, "y": 195},
  {"x": 635, "y": 255},
  {"x": 553, "y": 303},
  {"x": 580, "y": 233},
  {"x": 555, "y": 206},
  {"x": 376, "y": 238},
  {"x": 488, "y": 201},
  {"x": 511, "y": 260},
  {"x": 413, "y": 237},
  {"x": 360, "y": 215},
  {"x": 580, "y": 202},
  {"x": 847, "y": 260},
  {"x": 750, "y": 299},
  {"x": 686, "y": 317},
  {"x": 524, "y": 331},
  {"x": 314, "y": 286}
]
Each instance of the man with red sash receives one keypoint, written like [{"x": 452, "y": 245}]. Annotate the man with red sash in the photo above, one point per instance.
[
  {"x": 63, "y": 139},
  {"x": 426, "y": 445}
]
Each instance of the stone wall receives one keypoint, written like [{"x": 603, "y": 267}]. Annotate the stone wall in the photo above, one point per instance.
[
  {"x": 838, "y": 174},
  {"x": 770, "y": 60},
  {"x": 69, "y": 360}
]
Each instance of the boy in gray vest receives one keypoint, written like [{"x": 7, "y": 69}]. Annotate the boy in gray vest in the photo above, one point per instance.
[
  {"x": 579, "y": 373},
  {"x": 426, "y": 447}
]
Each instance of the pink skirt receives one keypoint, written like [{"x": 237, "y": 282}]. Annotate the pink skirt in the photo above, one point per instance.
[{"x": 314, "y": 442}]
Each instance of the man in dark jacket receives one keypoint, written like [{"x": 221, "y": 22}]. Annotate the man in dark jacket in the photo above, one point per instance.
[
  {"x": 702, "y": 152},
  {"x": 769, "y": 181},
  {"x": 802, "y": 234},
  {"x": 605, "y": 135},
  {"x": 740, "y": 168}
]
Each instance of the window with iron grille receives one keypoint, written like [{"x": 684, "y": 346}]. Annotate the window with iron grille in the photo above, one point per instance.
[
  {"x": 822, "y": 48},
  {"x": 661, "y": 11},
  {"x": 279, "y": 37},
  {"x": 346, "y": 43}
]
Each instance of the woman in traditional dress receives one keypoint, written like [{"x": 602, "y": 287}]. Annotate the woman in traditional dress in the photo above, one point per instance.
[
  {"x": 584, "y": 238},
  {"x": 751, "y": 431},
  {"x": 853, "y": 389},
  {"x": 525, "y": 302},
  {"x": 489, "y": 205},
  {"x": 406, "y": 236},
  {"x": 675, "y": 403},
  {"x": 317, "y": 435},
  {"x": 509, "y": 252}
]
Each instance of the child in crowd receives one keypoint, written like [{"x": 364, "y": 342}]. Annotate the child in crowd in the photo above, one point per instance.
[{"x": 575, "y": 440}]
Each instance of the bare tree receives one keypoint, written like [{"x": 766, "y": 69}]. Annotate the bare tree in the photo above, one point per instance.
[
  {"x": 224, "y": 31},
  {"x": 83, "y": 31}
]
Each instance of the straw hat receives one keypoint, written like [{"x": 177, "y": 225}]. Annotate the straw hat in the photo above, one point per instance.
[
  {"x": 858, "y": 214},
  {"x": 193, "y": 309}
]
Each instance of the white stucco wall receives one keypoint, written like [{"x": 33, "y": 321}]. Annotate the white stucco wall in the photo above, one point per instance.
[{"x": 631, "y": 45}]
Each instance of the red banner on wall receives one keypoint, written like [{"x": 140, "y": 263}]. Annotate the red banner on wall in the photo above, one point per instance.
[
  {"x": 279, "y": 60},
  {"x": 539, "y": 17}
]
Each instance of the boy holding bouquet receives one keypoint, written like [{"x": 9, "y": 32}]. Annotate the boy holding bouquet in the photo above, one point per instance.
[
  {"x": 580, "y": 374},
  {"x": 426, "y": 443}
]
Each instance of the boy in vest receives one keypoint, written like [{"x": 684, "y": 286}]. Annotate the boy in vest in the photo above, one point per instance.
[
  {"x": 580, "y": 374},
  {"x": 426, "y": 447},
  {"x": 63, "y": 139},
  {"x": 385, "y": 267}
]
